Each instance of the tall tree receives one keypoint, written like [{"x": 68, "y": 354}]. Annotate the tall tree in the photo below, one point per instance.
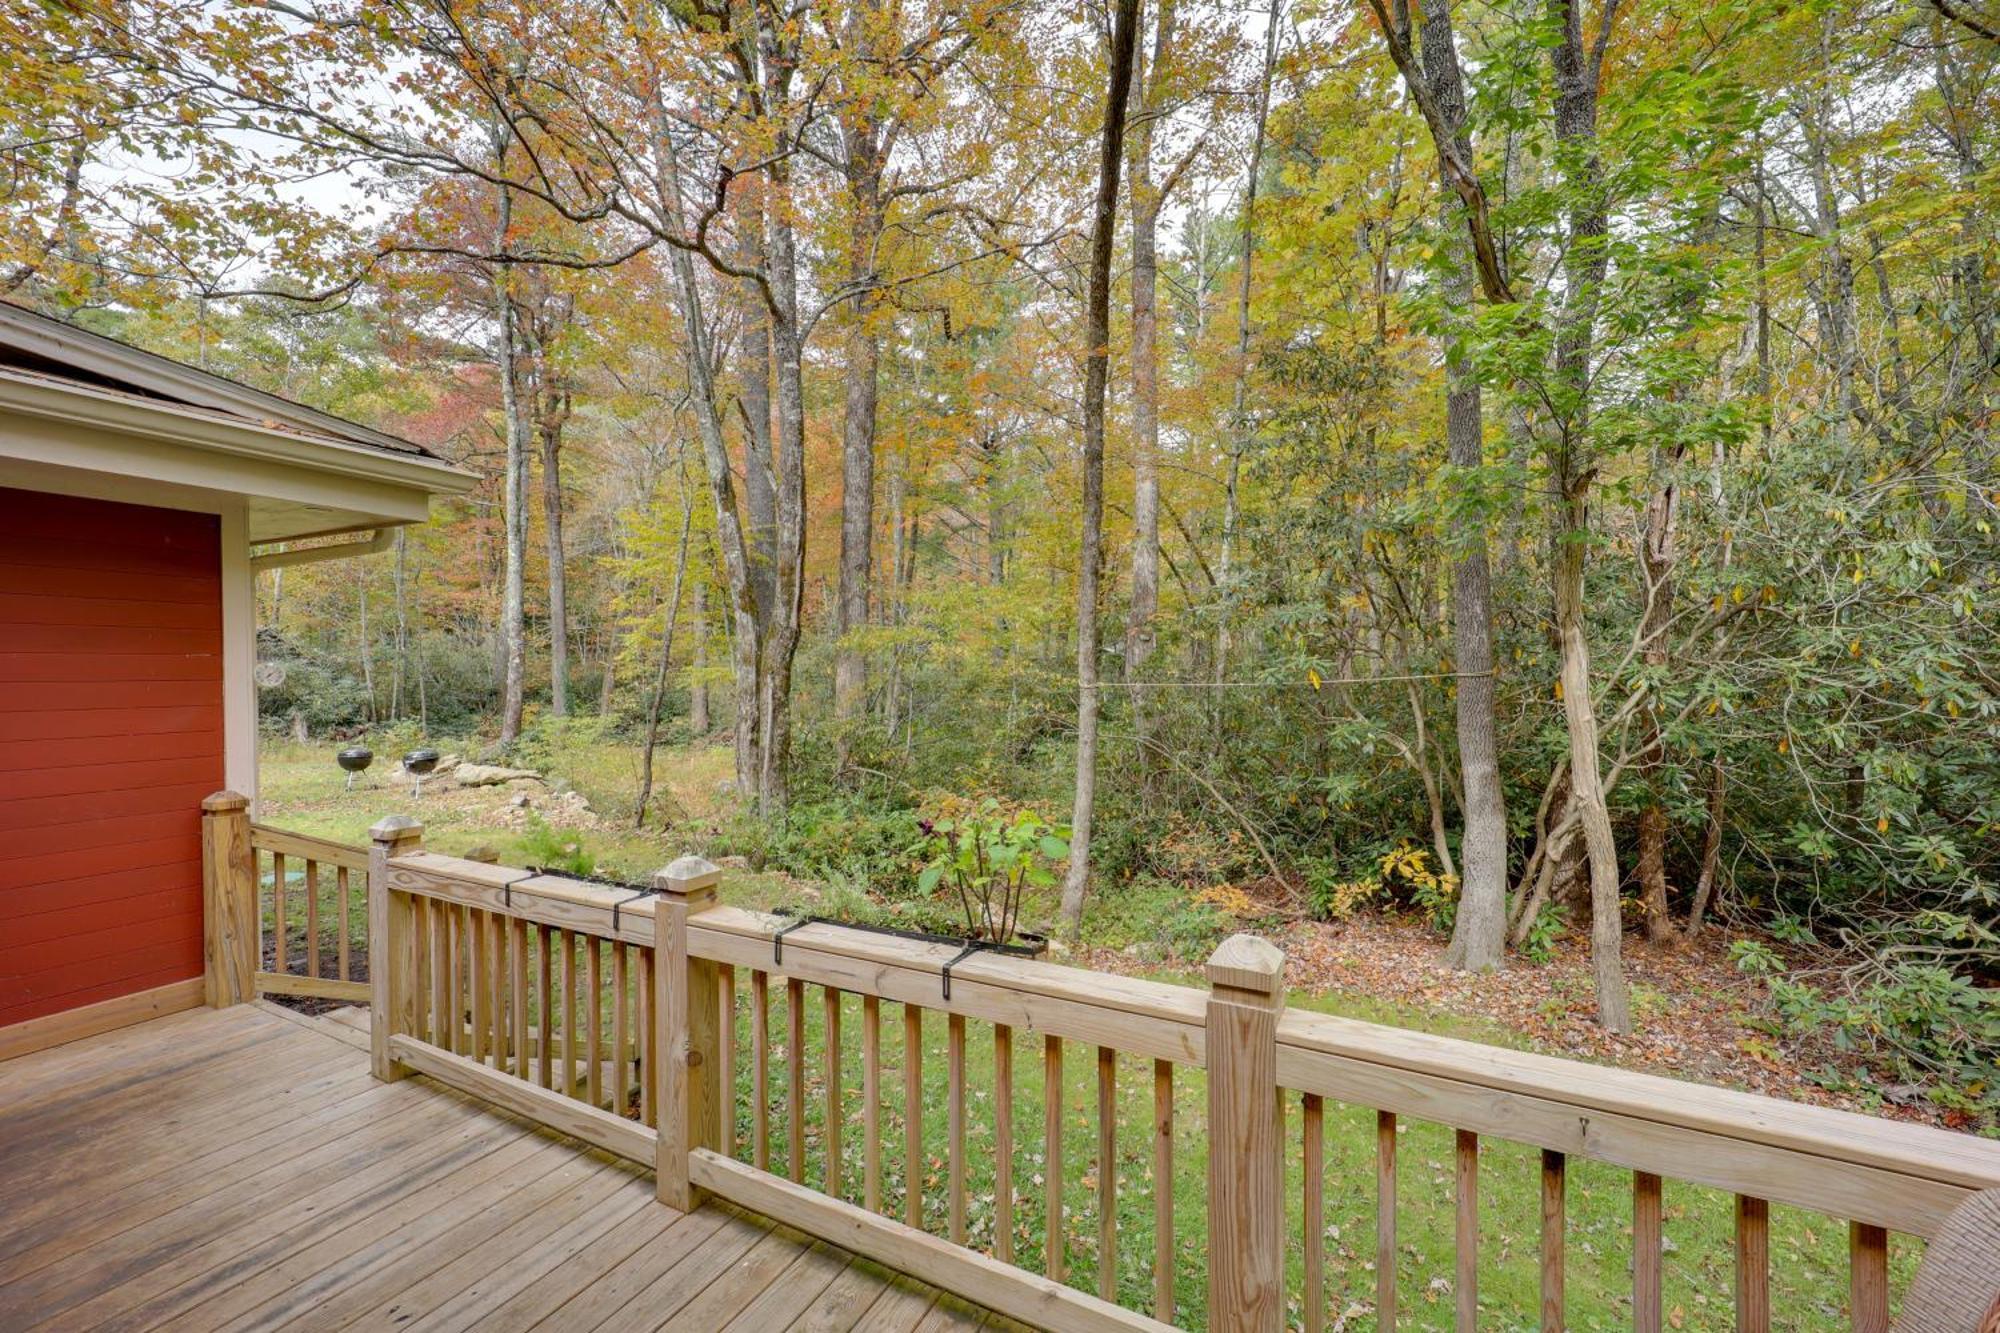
[
  {"x": 1096, "y": 374},
  {"x": 1479, "y": 932}
]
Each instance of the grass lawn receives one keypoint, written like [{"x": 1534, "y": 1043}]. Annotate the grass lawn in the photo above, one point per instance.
[{"x": 304, "y": 791}]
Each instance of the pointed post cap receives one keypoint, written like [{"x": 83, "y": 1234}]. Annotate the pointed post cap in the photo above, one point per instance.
[
  {"x": 1249, "y": 964},
  {"x": 397, "y": 832},
  {"x": 688, "y": 875},
  {"x": 225, "y": 803}
]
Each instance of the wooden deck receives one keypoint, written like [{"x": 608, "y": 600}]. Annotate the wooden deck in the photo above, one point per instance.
[{"x": 238, "y": 1168}]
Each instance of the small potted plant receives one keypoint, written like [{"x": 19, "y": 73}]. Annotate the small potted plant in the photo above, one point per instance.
[{"x": 989, "y": 857}]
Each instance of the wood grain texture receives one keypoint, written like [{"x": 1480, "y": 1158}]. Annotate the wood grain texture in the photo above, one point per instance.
[
  {"x": 1646, "y": 1251},
  {"x": 1753, "y": 1265},
  {"x": 1385, "y": 1219},
  {"x": 1312, "y": 1133},
  {"x": 281, "y": 1185},
  {"x": 1555, "y": 1201},
  {"x": 1868, "y": 1278},
  {"x": 1245, "y": 1202}
]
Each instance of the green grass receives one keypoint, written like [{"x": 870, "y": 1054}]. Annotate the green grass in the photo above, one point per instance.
[{"x": 1808, "y": 1251}]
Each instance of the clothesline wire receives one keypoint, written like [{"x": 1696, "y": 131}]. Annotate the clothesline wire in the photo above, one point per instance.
[{"x": 1322, "y": 682}]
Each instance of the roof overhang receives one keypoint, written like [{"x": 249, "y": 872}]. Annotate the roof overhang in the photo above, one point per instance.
[{"x": 295, "y": 483}]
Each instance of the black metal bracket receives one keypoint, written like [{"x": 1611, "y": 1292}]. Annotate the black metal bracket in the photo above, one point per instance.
[
  {"x": 778, "y": 940},
  {"x": 971, "y": 947},
  {"x": 636, "y": 895}
]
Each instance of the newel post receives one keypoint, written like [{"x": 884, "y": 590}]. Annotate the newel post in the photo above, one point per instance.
[
  {"x": 688, "y": 1092},
  {"x": 391, "y": 943},
  {"x": 228, "y": 900},
  {"x": 1246, "y": 1209}
]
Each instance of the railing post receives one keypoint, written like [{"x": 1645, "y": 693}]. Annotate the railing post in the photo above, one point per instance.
[
  {"x": 391, "y": 943},
  {"x": 1246, "y": 1209},
  {"x": 229, "y": 900},
  {"x": 689, "y": 1094}
]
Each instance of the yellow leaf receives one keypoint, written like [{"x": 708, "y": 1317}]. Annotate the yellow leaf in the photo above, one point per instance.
[
  {"x": 1784, "y": 745},
  {"x": 1559, "y": 691},
  {"x": 1854, "y": 649},
  {"x": 1714, "y": 707},
  {"x": 1313, "y": 676},
  {"x": 1882, "y": 824},
  {"x": 1736, "y": 593},
  {"x": 1676, "y": 1316}
]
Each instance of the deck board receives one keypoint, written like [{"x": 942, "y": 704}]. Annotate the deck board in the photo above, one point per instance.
[{"x": 237, "y": 1169}]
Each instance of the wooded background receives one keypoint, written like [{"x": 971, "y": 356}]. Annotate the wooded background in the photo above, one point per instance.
[{"x": 1539, "y": 460}]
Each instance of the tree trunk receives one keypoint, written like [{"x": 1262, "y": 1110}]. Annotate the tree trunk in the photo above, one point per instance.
[
  {"x": 514, "y": 520},
  {"x": 555, "y": 410},
  {"x": 1479, "y": 934},
  {"x": 402, "y": 621},
  {"x": 1096, "y": 371},
  {"x": 698, "y": 722},
  {"x": 1146, "y": 203},
  {"x": 1239, "y": 411},
  {"x": 862, "y": 131},
  {"x": 746, "y": 630},
  {"x": 666, "y": 659},
  {"x": 1576, "y": 79}
]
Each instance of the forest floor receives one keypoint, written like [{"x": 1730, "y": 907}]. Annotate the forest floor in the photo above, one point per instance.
[{"x": 1696, "y": 1014}]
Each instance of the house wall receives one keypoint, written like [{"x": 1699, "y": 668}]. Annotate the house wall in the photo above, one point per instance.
[{"x": 111, "y": 731}]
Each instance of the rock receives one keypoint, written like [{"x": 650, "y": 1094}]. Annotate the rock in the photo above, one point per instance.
[
  {"x": 733, "y": 862},
  {"x": 487, "y": 775}
]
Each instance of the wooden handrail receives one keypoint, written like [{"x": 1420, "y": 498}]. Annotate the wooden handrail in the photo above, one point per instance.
[
  {"x": 1905, "y": 1177},
  {"x": 1875, "y": 1174}
]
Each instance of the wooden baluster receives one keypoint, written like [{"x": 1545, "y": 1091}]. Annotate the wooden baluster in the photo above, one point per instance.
[
  {"x": 1645, "y": 1252},
  {"x": 455, "y": 1018},
  {"x": 1868, "y": 1277},
  {"x": 1163, "y": 1191},
  {"x": 1003, "y": 1142},
  {"x": 517, "y": 987},
  {"x": 1107, "y": 1173},
  {"x": 594, "y": 993},
  {"x": 913, "y": 1116},
  {"x": 1753, "y": 1265},
  {"x": 438, "y": 928},
  {"x": 312, "y": 918},
  {"x": 1554, "y": 1201},
  {"x": 955, "y": 1131},
  {"x": 545, "y": 1000},
  {"x": 725, "y": 1008},
  {"x": 871, "y": 1103},
  {"x": 479, "y": 977},
  {"x": 649, "y": 1044},
  {"x": 760, "y": 1069},
  {"x": 341, "y": 889},
  {"x": 281, "y": 959},
  {"x": 620, "y": 1032},
  {"x": 1466, "y": 1284},
  {"x": 795, "y": 1083},
  {"x": 420, "y": 984},
  {"x": 1052, "y": 1145},
  {"x": 830, "y": 1007},
  {"x": 496, "y": 1008},
  {"x": 1385, "y": 1219},
  {"x": 567, "y": 943},
  {"x": 1313, "y": 1130}
]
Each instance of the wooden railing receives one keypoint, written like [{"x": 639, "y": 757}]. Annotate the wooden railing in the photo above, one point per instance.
[
  {"x": 289, "y": 914},
  {"x": 658, "y": 1044}
]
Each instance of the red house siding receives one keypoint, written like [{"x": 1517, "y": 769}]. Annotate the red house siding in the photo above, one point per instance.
[{"x": 110, "y": 735}]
